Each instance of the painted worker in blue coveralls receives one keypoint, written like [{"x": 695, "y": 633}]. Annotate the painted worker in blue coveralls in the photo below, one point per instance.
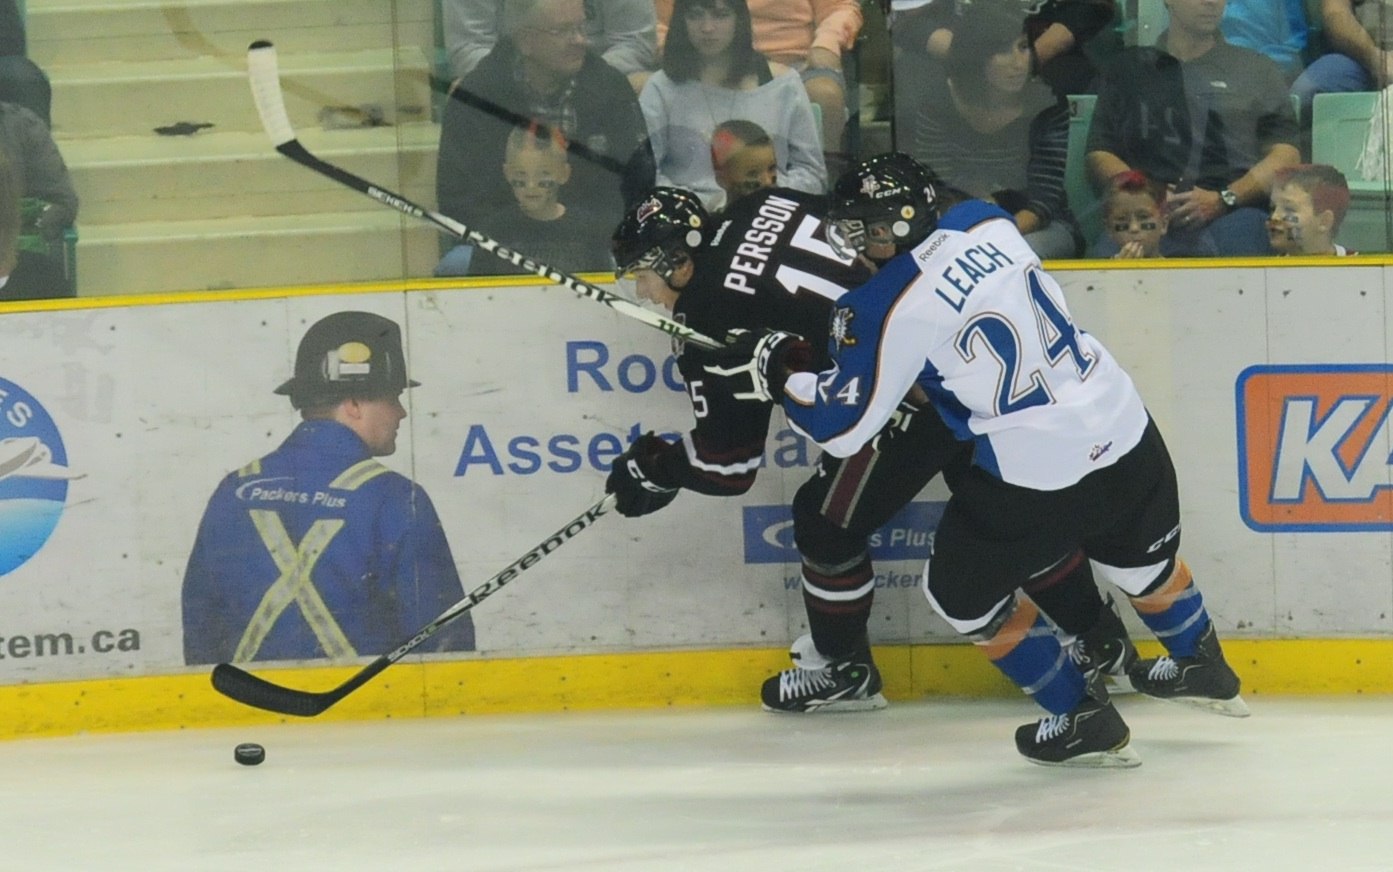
[{"x": 317, "y": 550}]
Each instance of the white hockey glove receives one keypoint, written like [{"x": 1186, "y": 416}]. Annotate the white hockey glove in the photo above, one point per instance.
[{"x": 760, "y": 363}]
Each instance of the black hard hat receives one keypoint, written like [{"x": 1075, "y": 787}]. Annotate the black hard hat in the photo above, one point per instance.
[
  {"x": 348, "y": 354},
  {"x": 892, "y": 188},
  {"x": 664, "y": 222}
]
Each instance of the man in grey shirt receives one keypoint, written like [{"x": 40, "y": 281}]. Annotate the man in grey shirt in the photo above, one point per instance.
[{"x": 1210, "y": 120}]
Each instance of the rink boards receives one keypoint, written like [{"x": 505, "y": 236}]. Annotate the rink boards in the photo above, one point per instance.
[{"x": 1271, "y": 382}]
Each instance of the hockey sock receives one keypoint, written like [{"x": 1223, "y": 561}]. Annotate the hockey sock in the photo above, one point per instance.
[
  {"x": 1021, "y": 644},
  {"x": 1173, "y": 609},
  {"x": 1067, "y": 595},
  {"x": 839, "y": 607}
]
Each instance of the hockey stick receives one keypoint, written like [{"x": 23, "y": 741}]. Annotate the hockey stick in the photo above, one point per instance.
[
  {"x": 248, "y": 689},
  {"x": 517, "y": 119},
  {"x": 264, "y": 74}
]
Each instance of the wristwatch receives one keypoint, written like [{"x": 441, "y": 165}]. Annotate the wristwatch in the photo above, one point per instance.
[{"x": 1229, "y": 198}]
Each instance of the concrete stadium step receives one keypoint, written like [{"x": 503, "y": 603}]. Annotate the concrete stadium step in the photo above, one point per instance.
[
  {"x": 251, "y": 252},
  {"x": 81, "y": 31},
  {"x": 118, "y": 98},
  {"x": 213, "y": 175}
]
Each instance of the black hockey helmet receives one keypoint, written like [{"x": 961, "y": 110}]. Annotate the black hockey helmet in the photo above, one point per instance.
[
  {"x": 348, "y": 354},
  {"x": 892, "y": 189},
  {"x": 664, "y": 223}
]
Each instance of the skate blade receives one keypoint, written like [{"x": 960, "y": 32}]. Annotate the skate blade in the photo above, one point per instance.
[
  {"x": 844, "y": 706},
  {"x": 1118, "y": 684},
  {"x": 1117, "y": 758},
  {"x": 1229, "y": 708}
]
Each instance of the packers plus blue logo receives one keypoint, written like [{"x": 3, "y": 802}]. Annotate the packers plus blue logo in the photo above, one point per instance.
[
  {"x": 907, "y": 536},
  {"x": 34, "y": 476}
]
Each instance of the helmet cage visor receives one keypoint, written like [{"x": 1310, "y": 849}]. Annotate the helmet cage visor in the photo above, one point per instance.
[
  {"x": 847, "y": 236},
  {"x": 655, "y": 258}
]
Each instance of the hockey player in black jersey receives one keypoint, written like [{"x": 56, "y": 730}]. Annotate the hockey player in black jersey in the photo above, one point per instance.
[{"x": 766, "y": 264}]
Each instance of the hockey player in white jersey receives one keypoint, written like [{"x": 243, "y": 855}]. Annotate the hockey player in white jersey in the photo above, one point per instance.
[{"x": 1065, "y": 453}]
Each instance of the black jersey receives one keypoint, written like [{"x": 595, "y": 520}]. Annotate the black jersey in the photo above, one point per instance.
[{"x": 768, "y": 265}]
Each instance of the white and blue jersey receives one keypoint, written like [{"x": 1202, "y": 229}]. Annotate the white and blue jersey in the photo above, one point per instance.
[{"x": 971, "y": 317}]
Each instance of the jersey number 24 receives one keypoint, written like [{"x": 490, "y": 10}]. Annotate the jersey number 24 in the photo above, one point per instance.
[{"x": 1059, "y": 339}]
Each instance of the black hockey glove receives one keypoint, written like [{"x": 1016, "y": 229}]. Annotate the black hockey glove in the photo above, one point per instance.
[
  {"x": 760, "y": 362},
  {"x": 630, "y": 479}
]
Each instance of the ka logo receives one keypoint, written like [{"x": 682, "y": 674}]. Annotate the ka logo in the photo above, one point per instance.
[
  {"x": 34, "y": 476},
  {"x": 1314, "y": 447}
]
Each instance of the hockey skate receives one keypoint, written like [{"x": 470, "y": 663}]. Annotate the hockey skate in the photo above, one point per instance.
[
  {"x": 1204, "y": 680},
  {"x": 1093, "y": 735},
  {"x": 816, "y": 684},
  {"x": 1106, "y": 648}
]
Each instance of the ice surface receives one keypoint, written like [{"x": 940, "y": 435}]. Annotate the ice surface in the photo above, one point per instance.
[{"x": 1304, "y": 784}]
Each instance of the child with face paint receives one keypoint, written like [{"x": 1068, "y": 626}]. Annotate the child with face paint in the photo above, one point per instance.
[
  {"x": 562, "y": 233},
  {"x": 744, "y": 159},
  {"x": 1309, "y": 202},
  {"x": 1134, "y": 213}
]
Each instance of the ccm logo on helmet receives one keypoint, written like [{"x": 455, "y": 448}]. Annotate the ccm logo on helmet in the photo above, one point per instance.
[{"x": 871, "y": 187}]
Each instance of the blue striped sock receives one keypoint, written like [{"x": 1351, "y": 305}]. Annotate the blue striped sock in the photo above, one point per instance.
[
  {"x": 1026, "y": 650},
  {"x": 1175, "y": 612}
]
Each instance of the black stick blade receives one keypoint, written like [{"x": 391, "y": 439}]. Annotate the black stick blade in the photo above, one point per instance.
[{"x": 247, "y": 689}]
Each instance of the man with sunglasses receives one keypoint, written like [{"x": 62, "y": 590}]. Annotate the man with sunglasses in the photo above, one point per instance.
[{"x": 767, "y": 263}]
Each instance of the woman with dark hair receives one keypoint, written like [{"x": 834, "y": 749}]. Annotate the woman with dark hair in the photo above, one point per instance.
[
  {"x": 988, "y": 128},
  {"x": 711, "y": 73},
  {"x": 1069, "y": 37}
]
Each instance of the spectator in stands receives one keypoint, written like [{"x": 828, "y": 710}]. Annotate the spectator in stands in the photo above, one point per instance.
[
  {"x": 1063, "y": 35},
  {"x": 1134, "y": 215},
  {"x": 624, "y": 32},
  {"x": 1360, "y": 36},
  {"x": 1210, "y": 120},
  {"x": 809, "y": 36},
  {"x": 986, "y": 127},
  {"x": 569, "y": 238},
  {"x": 1277, "y": 28},
  {"x": 1309, "y": 202},
  {"x": 25, "y": 273},
  {"x": 542, "y": 72},
  {"x": 744, "y": 158},
  {"x": 712, "y": 73},
  {"x": 21, "y": 80},
  {"x": 43, "y": 175}
]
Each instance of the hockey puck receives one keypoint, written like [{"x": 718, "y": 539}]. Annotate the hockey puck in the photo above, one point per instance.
[{"x": 249, "y": 754}]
